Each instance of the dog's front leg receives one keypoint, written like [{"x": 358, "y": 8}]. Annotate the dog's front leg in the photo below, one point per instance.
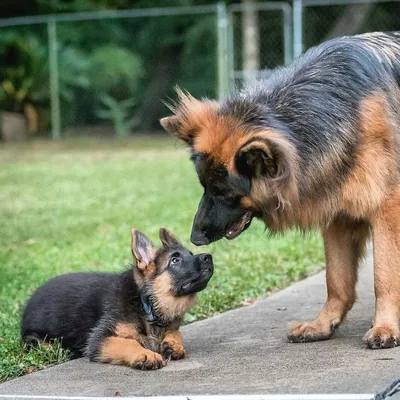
[
  {"x": 173, "y": 345},
  {"x": 386, "y": 236},
  {"x": 119, "y": 350},
  {"x": 344, "y": 242},
  {"x": 124, "y": 347}
]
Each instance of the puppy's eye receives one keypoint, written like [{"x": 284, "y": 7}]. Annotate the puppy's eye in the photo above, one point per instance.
[{"x": 175, "y": 258}]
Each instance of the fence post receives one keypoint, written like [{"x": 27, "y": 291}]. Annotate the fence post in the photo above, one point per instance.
[
  {"x": 223, "y": 59},
  {"x": 287, "y": 34},
  {"x": 231, "y": 50},
  {"x": 297, "y": 27},
  {"x": 54, "y": 87}
]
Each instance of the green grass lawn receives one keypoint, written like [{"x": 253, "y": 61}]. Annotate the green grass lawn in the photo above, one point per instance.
[{"x": 69, "y": 206}]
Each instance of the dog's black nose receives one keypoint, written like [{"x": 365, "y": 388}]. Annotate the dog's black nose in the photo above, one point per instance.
[
  {"x": 199, "y": 238},
  {"x": 205, "y": 257}
]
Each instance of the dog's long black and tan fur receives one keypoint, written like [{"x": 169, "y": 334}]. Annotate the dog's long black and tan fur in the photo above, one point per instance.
[
  {"x": 314, "y": 145},
  {"x": 129, "y": 318}
]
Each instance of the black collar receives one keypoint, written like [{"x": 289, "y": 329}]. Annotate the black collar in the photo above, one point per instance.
[{"x": 152, "y": 317}]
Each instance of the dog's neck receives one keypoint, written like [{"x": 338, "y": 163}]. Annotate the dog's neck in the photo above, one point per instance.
[
  {"x": 146, "y": 302},
  {"x": 158, "y": 313},
  {"x": 152, "y": 317}
]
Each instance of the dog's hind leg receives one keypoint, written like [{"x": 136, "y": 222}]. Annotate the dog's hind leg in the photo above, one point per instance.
[
  {"x": 345, "y": 242},
  {"x": 386, "y": 236},
  {"x": 35, "y": 340}
]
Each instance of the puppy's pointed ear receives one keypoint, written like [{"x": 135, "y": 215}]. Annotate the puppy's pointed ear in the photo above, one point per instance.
[
  {"x": 167, "y": 238},
  {"x": 269, "y": 157},
  {"x": 142, "y": 250}
]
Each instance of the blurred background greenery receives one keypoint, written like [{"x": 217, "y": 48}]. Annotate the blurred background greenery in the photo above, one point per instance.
[{"x": 114, "y": 73}]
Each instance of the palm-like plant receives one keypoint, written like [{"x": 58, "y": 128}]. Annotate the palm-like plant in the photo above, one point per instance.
[
  {"x": 24, "y": 77},
  {"x": 118, "y": 112}
]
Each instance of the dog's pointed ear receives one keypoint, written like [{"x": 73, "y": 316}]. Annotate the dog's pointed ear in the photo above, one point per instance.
[
  {"x": 167, "y": 238},
  {"x": 142, "y": 250},
  {"x": 173, "y": 125},
  {"x": 189, "y": 116},
  {"x": 255, "y": 160},
  {"x": 269, "y": 157}
]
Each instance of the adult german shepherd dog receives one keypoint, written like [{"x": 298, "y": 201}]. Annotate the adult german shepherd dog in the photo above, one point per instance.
[{"x": 314, "y": 145}]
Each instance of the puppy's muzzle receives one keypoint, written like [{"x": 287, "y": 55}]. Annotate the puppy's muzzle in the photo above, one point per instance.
[{"x": 198, "y": 279}]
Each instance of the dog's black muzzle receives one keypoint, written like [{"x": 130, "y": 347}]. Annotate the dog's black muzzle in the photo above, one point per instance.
[{"x": 197, "y": 277}]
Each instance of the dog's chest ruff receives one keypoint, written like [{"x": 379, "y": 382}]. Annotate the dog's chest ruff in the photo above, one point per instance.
[{"x": 152, "y": 318}]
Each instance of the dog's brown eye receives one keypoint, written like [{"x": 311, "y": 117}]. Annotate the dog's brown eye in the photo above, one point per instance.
[{"x": 175, "y": 260}]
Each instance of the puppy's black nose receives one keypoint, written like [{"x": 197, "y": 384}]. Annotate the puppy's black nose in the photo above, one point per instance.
[{"x": 205, "y": 257}]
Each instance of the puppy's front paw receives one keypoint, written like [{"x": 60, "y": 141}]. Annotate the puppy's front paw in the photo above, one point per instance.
[
  {"x": 300, "y": 332},
  {"x": 172, "y": 350},
  {"x": 149, "y": 360},
  {"x": 382, "y": 337}
]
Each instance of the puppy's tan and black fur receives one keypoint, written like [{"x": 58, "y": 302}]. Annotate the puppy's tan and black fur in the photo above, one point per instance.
[
  {"x": 314, "y": 145},
  {"x": 131, "y": 318}
]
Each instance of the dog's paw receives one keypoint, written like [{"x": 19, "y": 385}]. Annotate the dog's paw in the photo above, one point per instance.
[
  {"x": 382, "y": 337},
  {"x": 172, "y": 350},
  {"x": 300, "y": 332},
  {"x": 149, "y": 360}
]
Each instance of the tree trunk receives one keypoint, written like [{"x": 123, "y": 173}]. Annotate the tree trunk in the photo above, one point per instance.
[
  {"x": 351, "y": 20},
  {"x": 250, "y": 40},
  {"x": 159, "y": 86}
]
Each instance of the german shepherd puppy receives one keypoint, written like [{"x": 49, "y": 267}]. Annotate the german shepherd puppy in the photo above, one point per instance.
[
  {"x": 130, "y": 318},
  {"x": 316, "y": 144}
]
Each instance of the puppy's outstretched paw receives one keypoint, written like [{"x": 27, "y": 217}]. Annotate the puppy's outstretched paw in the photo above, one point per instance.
[
  {"x": 149, "y": 360},
  {"x": 172, "y": 350}
]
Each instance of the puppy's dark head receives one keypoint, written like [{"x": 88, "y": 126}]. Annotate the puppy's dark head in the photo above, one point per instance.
[
  {"x": 171, "y": 275},
  {"x": 240, "y": 166}
]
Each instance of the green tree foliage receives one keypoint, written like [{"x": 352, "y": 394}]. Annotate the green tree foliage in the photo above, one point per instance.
[
  {"x": 20, "y": 58},
  {"x": 143, "y": 58},
  {"x": 115, "y": 71},
  {"x": 24, "y": 77}
]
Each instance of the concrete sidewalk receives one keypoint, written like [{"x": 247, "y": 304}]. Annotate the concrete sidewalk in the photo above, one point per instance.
[{"x": 244, "y": 352}]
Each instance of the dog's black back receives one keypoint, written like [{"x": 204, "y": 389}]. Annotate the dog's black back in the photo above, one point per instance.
[{"x": 70, "y": 306}]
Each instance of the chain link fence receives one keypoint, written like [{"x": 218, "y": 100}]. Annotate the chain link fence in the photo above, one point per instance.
[
  {"x": 108, "y": 72},
  {"x": 262, "y": 38},
  {"x": 324, "y": 21},
  {"x": 315, "y": 21}
]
